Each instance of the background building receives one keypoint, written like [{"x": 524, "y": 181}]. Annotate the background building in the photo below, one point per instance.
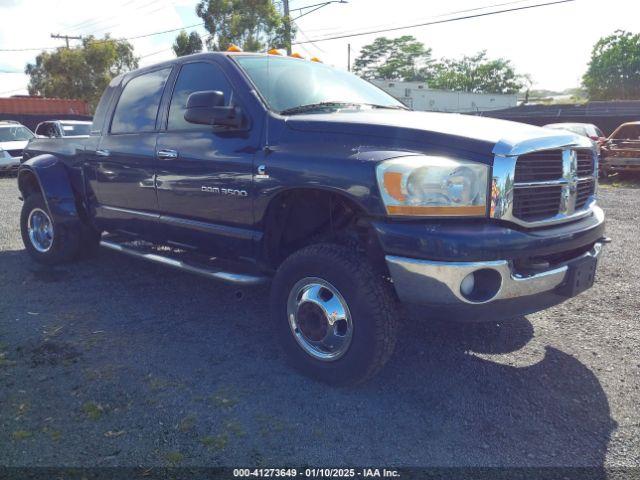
[
  {"x": 30, "y": 111},
  {"x": 418, "y": 96}
]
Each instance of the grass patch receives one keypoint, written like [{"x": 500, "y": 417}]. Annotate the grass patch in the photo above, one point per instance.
[
  {"x": 4, "y": 362},
  {"x": 187, "y": 423},
  {"x": 174, "y": 458},
  {"x": 218, "y": 442},
  {"x": 93, "y": 410},
  {"x": 21, "y": 435}
]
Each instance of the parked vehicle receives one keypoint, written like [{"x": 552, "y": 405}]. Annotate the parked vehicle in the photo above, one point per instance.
[
  {"x": 63, "y": 128},
  {"x": 621, "y": 153},
  {"x": 311, "y": 178},
  {"x": 584, "y": 129},
  {"x": 13, "y": 139}
]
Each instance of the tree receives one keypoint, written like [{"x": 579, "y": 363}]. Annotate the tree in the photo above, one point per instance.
[
  {"x": 83, "y": 72},
  {"x": 187, "y": 44},
  {"x": 402, "y": 58},
  {"x": 614, "y": 69},
  {"x": 477, "y": 74},
  {"x": 253, "y": 25}
]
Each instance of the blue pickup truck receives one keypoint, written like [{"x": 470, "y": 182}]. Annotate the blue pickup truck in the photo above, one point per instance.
[{"x": 251, "y": 168}]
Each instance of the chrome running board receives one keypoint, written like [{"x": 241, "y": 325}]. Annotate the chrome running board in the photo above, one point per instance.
[{"x": 227, "y": 277}]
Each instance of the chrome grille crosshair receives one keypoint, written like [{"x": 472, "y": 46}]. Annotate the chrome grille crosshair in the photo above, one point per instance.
[{"x": 544, "y": 187}]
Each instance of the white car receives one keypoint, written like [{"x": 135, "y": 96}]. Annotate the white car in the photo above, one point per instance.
[
  {"x": 13, "y": 140},
  {"x": 63, "y": 128}
]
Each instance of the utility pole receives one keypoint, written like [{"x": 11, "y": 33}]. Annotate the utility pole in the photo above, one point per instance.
[
  {"x": 287, "y": 27},
  {"x": 348, "y": 57},
  {"x": 66, "y": 37}
]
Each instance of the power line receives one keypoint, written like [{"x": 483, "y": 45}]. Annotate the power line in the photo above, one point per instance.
[
  {"x": 456, "y": 19},
  {"x": 448, "y": 14},
  {"x": 106, "y": 40}
]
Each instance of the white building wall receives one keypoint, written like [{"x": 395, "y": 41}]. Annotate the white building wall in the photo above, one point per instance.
[{"x": 417, "y": 96}]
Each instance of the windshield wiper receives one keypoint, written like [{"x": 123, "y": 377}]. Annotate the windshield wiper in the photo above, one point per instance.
[
  {"x": 387, "y": 107},
  {"x": 317, "y": 106}
]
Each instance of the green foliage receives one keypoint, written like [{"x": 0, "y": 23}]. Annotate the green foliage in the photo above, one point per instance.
[
  {"x": 187, "y": 44},
  {"x": 614, "y": 69},
  {"x": 406, "y": 59},
  {"x": 477, "y": 74},
  {"x": 83, "y": 72},
  {"x": 253, "y": 25},
  {"x": 402, "y": 58}
]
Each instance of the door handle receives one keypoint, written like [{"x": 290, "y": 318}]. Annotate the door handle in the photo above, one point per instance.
[
  {"x": 103, "y": 153},
  {"x": 167, "y": 154}
]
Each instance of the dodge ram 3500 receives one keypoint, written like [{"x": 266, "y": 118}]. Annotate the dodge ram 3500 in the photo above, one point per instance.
[{"x": 251, "y": 168}]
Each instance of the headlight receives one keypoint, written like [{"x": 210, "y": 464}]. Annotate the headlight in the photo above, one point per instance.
[{"x": 433, "y": 186}]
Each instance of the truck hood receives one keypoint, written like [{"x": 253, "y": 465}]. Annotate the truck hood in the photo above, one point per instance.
[{"x": 467, "y": 132}]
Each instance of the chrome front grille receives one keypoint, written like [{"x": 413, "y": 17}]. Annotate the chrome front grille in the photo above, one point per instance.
[
  {"x": 544, "y": 187},
  {"x": 537, "y": 203},
  {"x": 539, "y": 166}
]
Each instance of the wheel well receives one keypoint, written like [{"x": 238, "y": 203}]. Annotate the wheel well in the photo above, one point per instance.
[
  {"x": 28, "y": 184},
  {"x": 297, "y": 218}
]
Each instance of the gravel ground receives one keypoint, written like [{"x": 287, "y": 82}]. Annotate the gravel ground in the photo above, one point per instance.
[{"x": 115, "y": 362}]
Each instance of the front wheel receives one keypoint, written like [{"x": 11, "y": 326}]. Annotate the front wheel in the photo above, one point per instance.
[
  {"x": 336, "y": 317},
  {"x": 46, "y": 241}
]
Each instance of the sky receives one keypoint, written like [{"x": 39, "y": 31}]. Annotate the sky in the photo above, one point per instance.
[{"x": 552, "y": 44}]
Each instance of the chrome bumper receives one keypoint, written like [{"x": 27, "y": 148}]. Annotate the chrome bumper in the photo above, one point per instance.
[{"x": 439, "y": 283}]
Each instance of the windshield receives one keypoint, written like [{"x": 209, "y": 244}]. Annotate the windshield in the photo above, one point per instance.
[
  {"x": 288, "y": 83},
  {"x": 15, "y": 134},
  {"x": 73, "y": 129},
  {"x": 570, "y": 127},
  {"x": 629, "y": 132}
]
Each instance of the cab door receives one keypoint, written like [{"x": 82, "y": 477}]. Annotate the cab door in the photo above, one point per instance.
[
  {"x": 204, "y": 173},
  {"x": 125, "y": 158}
]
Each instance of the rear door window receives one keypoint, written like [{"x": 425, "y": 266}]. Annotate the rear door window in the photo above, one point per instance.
[{"x": 137, "y": 107}]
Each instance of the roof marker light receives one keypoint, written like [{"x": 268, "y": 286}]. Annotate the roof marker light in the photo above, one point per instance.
[
  {"x": 234, "y": 48},
  {"x": 316, "y": 59},
  {"x": 274, "y": 51}
]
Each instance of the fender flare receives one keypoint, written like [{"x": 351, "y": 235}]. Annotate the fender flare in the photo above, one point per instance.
[{"x": 52, "y": 180}]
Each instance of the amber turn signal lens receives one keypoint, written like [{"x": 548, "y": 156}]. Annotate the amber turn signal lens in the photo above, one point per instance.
[
  {"x": 472, "y": 211},
  {"x": 393, "y": 185}
]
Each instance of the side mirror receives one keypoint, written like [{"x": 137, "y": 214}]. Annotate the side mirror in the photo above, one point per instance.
[{"x": 207, "y": 108}]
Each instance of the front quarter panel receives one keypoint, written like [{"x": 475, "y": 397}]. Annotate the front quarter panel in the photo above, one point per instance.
[{"x": 324, "y": 161}]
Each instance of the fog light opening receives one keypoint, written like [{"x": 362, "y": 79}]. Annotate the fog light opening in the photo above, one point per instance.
[{"x": 481, "y": 286}]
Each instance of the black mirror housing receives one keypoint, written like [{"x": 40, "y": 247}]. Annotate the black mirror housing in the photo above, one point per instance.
[{"x": 207, "y": 108}]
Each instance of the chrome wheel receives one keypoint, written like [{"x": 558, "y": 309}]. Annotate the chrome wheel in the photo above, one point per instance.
[
  {"x": 40, "y": 229},
  {"x": 319, "y": 319}
]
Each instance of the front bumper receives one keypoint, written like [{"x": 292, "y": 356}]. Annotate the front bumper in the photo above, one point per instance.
[
  {"x": 523, "y": 270},
  {"x": 439, "y": 283}
]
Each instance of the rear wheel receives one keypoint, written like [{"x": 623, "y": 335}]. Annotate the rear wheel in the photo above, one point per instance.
[
  {"x": 336, "y": 317},
  {"x": 47, "y": 242}
]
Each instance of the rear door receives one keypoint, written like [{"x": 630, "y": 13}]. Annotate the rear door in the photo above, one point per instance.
[
  {"x": 204, "y": 173},
  {"x": 125, "y": 157}
]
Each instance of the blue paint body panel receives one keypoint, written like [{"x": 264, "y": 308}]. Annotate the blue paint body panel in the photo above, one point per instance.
[{"x": 484, "y": 240}]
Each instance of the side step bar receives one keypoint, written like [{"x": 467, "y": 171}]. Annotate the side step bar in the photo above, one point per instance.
[{"x": 227, "y": 277}]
